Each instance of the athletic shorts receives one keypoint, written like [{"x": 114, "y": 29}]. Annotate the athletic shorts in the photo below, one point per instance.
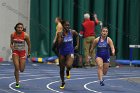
[
  {"x": 20, "y": 53},
  {"x": 106, "y": 59}
]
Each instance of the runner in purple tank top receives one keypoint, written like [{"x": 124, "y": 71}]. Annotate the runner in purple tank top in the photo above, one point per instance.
[
  {"x": 66, "y": 50},
  {"x": 102, "y": 58}
]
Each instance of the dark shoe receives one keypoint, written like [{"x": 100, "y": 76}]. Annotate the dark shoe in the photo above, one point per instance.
[
  {"x": 62, "y": 85},
  {"x": 17, "y": 86},
  {"x": 68, "y": 74},
  {"x": 102, "y": 83}
]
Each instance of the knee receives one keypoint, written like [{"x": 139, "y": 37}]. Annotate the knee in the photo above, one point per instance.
[
  {"x": 100, "y": 66},
  {"x": 16, "y": 69},
  {"x": 68, "y": 66}
]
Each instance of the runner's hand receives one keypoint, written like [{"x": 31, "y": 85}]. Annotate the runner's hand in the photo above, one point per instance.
[{"x": 28, "y": 56}]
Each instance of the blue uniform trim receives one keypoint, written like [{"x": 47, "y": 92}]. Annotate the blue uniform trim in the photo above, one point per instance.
[
  {"x": 103, "y": 50},
  {"x": 67, "y": 46}
]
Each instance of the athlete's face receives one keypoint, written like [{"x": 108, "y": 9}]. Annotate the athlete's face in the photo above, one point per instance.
[
  {"x": 104, "y": 32},
  {"x": 66, "y": 26},
  {"x": 19, "y": 28}
]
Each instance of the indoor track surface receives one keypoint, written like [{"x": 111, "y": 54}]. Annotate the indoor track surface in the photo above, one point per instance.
[{"x": 44, "y": 78}]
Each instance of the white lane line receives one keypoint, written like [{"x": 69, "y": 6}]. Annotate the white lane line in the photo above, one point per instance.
[
  {"x": 122, "y": 73},
  {"x": 5, "y": 64},
  {"x": 85, "y": 86},
  {"x": 23, "y": 76},
  {"x": 25, "y": 73},
  {"x": 14, "y": 89},
  {"x": 4, "y": 74},
  {"x": 79, "y": 74},
  {"x": 4, "y": 91},
  {"x": 48, "y": 85},
  {"x": 45, "y": 78},
  {"x": 12, "y": 73},
  {"x": 10, "y": 85}
]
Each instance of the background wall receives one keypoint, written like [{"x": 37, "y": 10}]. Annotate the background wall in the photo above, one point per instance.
[
  {"x": 122, "y": 17},
  {"x": 12, "y": 12}
]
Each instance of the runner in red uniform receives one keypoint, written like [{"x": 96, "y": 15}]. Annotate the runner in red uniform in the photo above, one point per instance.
[{"x": 18, "y": 39}]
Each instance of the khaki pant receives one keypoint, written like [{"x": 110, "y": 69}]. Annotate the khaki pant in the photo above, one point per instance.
[{"x": 87, "y": 45}]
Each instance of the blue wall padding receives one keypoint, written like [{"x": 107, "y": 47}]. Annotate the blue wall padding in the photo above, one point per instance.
[
  {"x": 127, "y": 62},
  {"x": 51, "y": 58}
]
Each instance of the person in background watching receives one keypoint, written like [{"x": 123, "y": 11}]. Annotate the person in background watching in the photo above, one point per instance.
[
  {"x": 88, "y": 33},
  {"x": 58, "y": 29}
]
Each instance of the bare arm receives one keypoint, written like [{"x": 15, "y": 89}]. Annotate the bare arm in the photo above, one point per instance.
[
  {"x": 110, "y": 42},
  {"x": 77, "y": 38},
  {"x": 96, "y": 19},
  {"x": 27, "y": 39},
  {"x": 11, "y": 41},
  {"x": 94, "y": 43},
  {"x": 59, "y": 28},
  {"x": 59, "y": 38}
]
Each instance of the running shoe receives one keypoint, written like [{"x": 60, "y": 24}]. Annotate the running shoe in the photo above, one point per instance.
[
  {"x": 68, "y": 74},
  {"x": 17, "y": 86},
  {"x": 102, "y": 83},
  {"x": 62, "y": 86}
]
